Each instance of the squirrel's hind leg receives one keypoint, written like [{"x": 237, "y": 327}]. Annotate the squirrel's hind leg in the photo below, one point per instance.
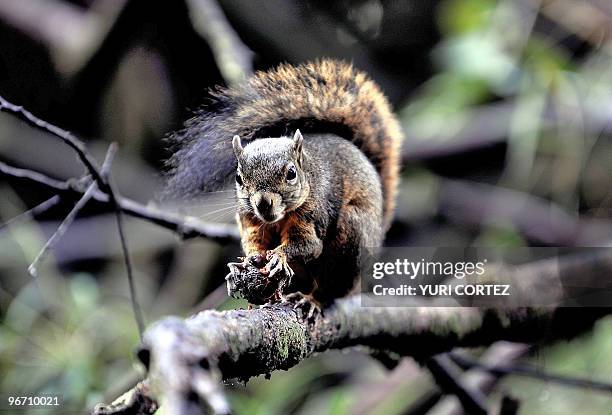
[
  {"x": 359, "y": 232},
  {"x": 306, "y": 303}
]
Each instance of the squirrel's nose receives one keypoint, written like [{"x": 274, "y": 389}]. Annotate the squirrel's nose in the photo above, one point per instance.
[
  {"x": 264, "y": 202},
  {"x": 265, "y": 205}
]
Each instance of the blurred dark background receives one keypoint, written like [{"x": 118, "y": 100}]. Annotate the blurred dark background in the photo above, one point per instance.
[{"x": 507, "y": 111}]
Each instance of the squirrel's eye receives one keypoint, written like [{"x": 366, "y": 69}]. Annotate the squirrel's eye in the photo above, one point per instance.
[
  {"x": 291, "y": 174},
  {"x": 239, "y": 179}
]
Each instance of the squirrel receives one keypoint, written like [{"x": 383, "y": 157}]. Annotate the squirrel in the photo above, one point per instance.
[{"x": 315, "y": 156}]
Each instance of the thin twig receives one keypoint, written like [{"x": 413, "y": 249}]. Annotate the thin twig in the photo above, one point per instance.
[
  {"x": 35, "y": 211},
  {"x": 77, "y": 145},
  {"x": 34, "y": 176},
  {"x": 449, "y": 379},
  {"x": 105, "y": 173},
  {"x": 108, "y": 161},
  {"x": 100, "y": 180},
  {"x": 527, "y": 371},
  {"x": 433, "y": 403},
  {"x": 61, "y": 230},
  {"x": 63, "y": 227},
  {"x": 186, "y": 227}
]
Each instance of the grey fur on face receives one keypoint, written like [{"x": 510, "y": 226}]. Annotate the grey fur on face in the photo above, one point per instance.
[{"x": 269, "y": 179}]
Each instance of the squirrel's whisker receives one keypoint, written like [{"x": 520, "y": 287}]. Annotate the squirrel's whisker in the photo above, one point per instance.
[
  {"x": 223, "y": 209},
  {"x": 227, "y": 203},
  {"x": 219, "y": 191}
]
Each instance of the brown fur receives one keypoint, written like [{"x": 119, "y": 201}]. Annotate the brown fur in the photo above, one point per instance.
[
  {"x": 285, "y": 98},
  {"x": 329, "y": 91}
]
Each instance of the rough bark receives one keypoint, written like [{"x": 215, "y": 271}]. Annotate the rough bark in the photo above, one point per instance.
[{"x": 187, "y": 358}]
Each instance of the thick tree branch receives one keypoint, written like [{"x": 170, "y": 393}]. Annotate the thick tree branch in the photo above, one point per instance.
[
  {"x": 241, "y": 344},
  {"x": 183, "y": 353}
]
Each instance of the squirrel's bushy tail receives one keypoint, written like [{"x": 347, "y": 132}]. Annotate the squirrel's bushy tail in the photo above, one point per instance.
[{"x": 323, "y": 96}]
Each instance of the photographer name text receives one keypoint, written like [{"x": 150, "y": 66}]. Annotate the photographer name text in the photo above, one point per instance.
[{"x": 411, "y": 270}]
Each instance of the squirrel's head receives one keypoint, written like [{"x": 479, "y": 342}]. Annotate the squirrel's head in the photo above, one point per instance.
[{"x": 269, "y": 180}]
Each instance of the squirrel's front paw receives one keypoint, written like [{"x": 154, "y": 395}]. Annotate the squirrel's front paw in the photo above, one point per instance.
[
  {"x": 248, "y": 280},
  {"x": 258, "y": 260},
  {"x": 277, "y": 262},
  {"x": 259, "y": 278}
]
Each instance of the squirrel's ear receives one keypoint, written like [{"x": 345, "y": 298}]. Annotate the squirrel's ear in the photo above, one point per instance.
[
  {"x": 297, "y": 143},
  {"x": 237, "y": 146}
]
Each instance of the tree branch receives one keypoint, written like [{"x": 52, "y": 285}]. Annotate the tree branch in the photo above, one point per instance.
[
  {"x": 182, "y": 353},
  {"x": 101, "y": 180},
  {"x": 448, "y": 377},
  {"x": 241, "y": 343},
  {"x": 499, "y": 352},
  {"x": 232, "y": 56},
  {"x": 80, "y": 204},
  {"x": 467, "y": 362},
  {"x": 186, "y": 227},
  {"x": 65, "y": 136},
  {"x": 480, "y": 204}
]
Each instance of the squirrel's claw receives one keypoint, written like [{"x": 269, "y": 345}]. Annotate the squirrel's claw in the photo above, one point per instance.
[
  {"x": 259, "y": 278},
  {"x": 277, "y": 262},
  {"x": 306, "y": 303},
  {"x": 246, "y": 280}
]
